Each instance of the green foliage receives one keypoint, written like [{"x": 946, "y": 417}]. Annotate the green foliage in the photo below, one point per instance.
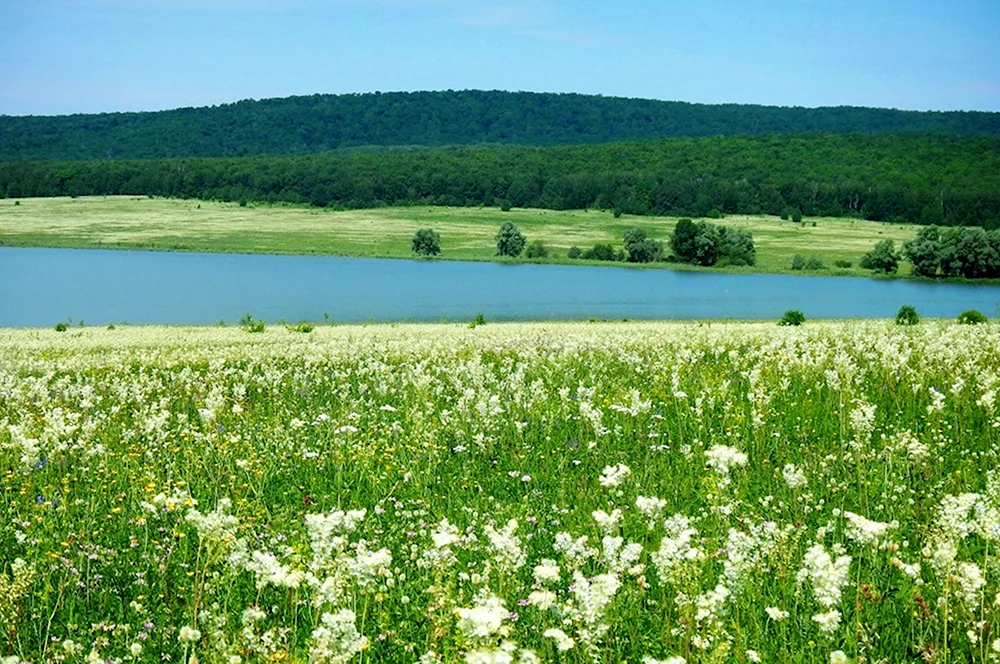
[
  {"x": 796, "y": 215},
  {"x": 600, "y": 252},
  {"x": 814, "y": 262},
  {"x": 971, "y": 317},
  {"x": 882, "y": 178},
  {"x": 714, "y": 214},
  {"x": 798, "y": 262},
  {"x": 617, "y": 213},
  {"x": 907, "y": 315},
  {"x": 706, "y": 244},
  {"x": 252, "y": 325},
  {"x": 536, "y": 249},
  {"x": 426, "y": 242},
  {"x": 792, "y": 317},
  {"x": 62, "y": 326},
  {"x": 303, "y": 327},
  {"x": 324, "y": 123},
  {"x": 840, "y": 262},
  {"x": 973, "y": 253},
  {"x": 510, "y": 241},
  {"x": 16, "y": 203},
  {"x": 639, "y": 247},
  {"x": 882, "y": 258},
  {"x": 574, "y": 252},
  {"x": 480, "y": 319},
  {"x": 505, "y": 205}
]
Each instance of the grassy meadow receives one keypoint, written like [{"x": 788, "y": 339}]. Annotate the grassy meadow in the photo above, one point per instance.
[
  {"x": 645, "y": 492},
  {"x": 466, "y": 233}
]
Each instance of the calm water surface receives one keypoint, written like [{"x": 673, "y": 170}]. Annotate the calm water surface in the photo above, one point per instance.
[{"x": 39, "y": 287}]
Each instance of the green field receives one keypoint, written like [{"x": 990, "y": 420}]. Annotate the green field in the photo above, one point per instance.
[
  {"x": 466, "y": 233},
  {"x": 647, "y": 492}
]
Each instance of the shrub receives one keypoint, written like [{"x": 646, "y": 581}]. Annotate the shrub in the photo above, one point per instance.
[
  {"x": 600, "y": 252},
  {"x": 793, "y": 317},
  {"x": 814, "y": 263},
  {"x": 714, "y": 214},
  {"x": 537, "y": 249},
  {"x": 971, "y": 317},
  {"x": 251, "y": 324},
  {"x": 907, "y": 315},
  {"x": 574, "y": 252},
  {"x": 62, "y": 326},
  {"x": 842, "y": 263},
  {"x": 617, "y": 213},
  {"x": 427, "y": 242},
  {"x": 504, "y": 205},
  {"x": 798, "y": 262},
  {"x": 510, "y": 241},
  {"x": 477, "y": 321},
  {"x": 796, "y": 215},
  {"x": 304, "y": 327}
]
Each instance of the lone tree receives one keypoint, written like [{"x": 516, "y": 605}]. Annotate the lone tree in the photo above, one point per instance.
[
  {"x": 427, "y": 242},
  {"x": 510, "y": 241},
  {"x": 882, "y": 258},
  {"x": 640, "y": 247}
]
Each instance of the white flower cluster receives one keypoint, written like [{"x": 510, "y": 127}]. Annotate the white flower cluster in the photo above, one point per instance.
[
  {"x": 828, "y": 576},
  {"x": 722, "y": 459},
  {"x": 612, "y": 476},
  {"x": 337, "y": 639},
  {"x": 866, "y": 531}
]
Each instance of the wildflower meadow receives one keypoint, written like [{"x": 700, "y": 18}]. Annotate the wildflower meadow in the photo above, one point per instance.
[{"x": 505, "y": 493}]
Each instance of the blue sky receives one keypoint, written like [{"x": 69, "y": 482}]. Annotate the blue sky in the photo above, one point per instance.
[{"x": 82, "y": 56}]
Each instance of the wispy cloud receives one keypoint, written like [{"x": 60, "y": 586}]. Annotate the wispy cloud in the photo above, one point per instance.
[
  {"x": 570, "y": 37},
  {"x": 537, "y": 20},
  {"x": 505, "y": 16}
]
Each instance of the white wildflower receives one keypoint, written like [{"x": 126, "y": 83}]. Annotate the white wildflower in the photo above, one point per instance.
[
  {"x": 612, "y": 476},
  {"x": 776, "y": 614},
  {"x": 547, "y": 571},
  {"x": 337, "y": 638},
  {"x": 827, "y": 575},
  {"x": 484, "y": 619},
  {"x": 652, "y": 509},
  {"x": 506, "y": 545},
  {"x": 607, "y": 522},
  {"x": 563, "y": 640},
  {"x": 795, "y": 478},
  {"x": 828, "y": 622},
  {"x": 188, "y": 634}
]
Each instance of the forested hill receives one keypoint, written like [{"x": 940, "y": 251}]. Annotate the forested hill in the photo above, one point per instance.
[{"x": 322, "y": 123}]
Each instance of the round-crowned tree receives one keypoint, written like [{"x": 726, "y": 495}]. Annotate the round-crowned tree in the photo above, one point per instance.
[
  {"x": 427, "y": 242},
  {"x": 510, "y": 241}
]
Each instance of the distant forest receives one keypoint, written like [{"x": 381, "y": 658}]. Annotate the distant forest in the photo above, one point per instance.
[
  {"x": 324, "y": 123},
  {"x": 943, "y": 180}
]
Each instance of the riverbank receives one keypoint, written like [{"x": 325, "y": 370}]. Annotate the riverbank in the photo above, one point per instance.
[{"x": 127, "y": 222}]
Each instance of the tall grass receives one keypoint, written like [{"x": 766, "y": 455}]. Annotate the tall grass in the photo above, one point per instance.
[{"x": 554, "y": 492}]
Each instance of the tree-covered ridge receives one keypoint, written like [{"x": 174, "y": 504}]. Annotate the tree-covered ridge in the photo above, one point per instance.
[
  {"x": 321, "y": 123},
  {"x": 943, "y": 180}
]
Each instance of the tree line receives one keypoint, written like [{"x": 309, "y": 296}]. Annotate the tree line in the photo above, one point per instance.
[
  {"x": 699, "y": 243},
  {"x": 321, "y": 123},
  {"x": 932, "y": 180}
]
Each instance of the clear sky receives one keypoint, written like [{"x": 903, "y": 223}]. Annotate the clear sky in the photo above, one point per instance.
[{"x": 83, "y": 56}]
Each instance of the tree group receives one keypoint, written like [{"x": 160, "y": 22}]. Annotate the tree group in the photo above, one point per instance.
[
  {"x": 707, "y": 244},
  {"x": 972, "y": 253}
]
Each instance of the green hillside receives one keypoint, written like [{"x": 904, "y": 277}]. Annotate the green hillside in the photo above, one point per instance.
[{"x": 322, "y": 123}]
